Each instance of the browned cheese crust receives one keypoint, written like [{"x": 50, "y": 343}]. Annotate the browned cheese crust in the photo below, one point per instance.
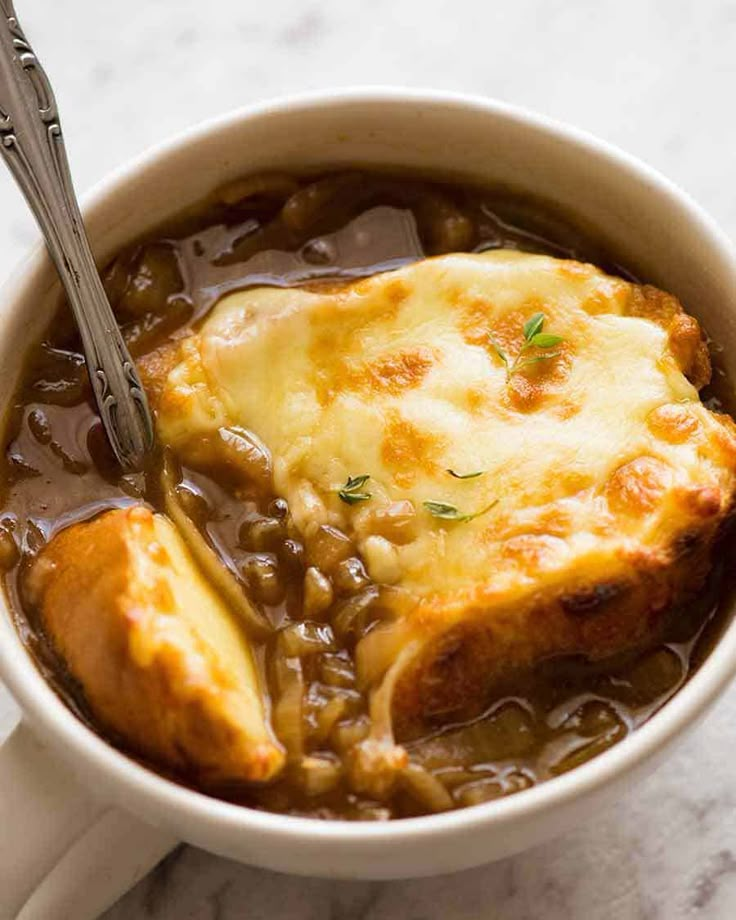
[
  {"x": 163, "y": 665},
  {"x": 606, "y": 478}
]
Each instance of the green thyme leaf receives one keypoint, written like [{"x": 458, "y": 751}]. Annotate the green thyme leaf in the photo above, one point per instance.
[
  {"x": 443, "y": 510},
  {"x": 533, "y": 326},
  {"x": 545, "y": 340},
  {"x": 448, "y": 512},
  {"x": 350, "y": 493},
  {"x": 352, "y": 498},
  {"x": 499, "y": 351},
  {"x": 533, "y": 338},
  {"x": 466, "y": 475},
  {"x": 518, "y": 365}
]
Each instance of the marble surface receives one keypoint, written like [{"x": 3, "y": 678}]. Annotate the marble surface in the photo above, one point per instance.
[{"x": 654, "y": 76}]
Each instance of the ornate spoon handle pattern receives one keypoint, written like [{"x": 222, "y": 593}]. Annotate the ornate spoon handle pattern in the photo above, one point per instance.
[{"x": 32, "y": 145}]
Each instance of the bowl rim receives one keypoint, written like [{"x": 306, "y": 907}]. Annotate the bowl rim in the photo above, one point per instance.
[{"x": 145, "y": 789}]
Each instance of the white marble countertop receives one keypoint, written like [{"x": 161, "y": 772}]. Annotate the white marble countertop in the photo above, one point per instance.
[{"x": 657, "y": 77}]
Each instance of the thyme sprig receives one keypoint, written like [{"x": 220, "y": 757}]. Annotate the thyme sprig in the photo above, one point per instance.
[
  {"x": 351, "y": 492},
  {"x": 474, "y": 475},
  {"x": 534, "y": 337},
  {"x": 447, "y": 512}
]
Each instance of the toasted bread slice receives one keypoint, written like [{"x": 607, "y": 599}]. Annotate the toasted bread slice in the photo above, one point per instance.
[
  {"x": 163, "y": 664},
  {"x": 602, "y": 478}
]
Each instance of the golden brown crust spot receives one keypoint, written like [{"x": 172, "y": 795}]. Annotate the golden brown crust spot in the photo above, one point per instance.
[
  {"x": 335, "y": 347},
  {"x": 532, "y": 551},
  {"x": 568, "y": 408},
  {"x": 554, "y": 519},
  {"x": 529, "y": 387},
  {"x": 478, "y": 323},
  {"x": 648, "y": 302},
  {"x": 406, "y": 449},
  {"x": 474, "y": 320},
  {"x": 613, "y": 293},
  {"x": 637, "y": 486},
  {"x": 392, "y": 373},
  {"x": 703, "y": 501},
  {"x": 476, "y": 399},
  {"x": 689, "y": 350},
  {"x": 567, "y": 481},
  {"x": 724, "y": 437},
  {"x": 673, "y": 422},
  {"x": 396, "y": 292},
  {"x": 154, "y": 369},
  {"x": 567, "y": 268},
  {"x": 684, "y": 334}
]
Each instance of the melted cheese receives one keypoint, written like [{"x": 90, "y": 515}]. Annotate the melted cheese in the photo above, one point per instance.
[
  {"x": 161, "y": 660},
  {"x": 589, "y": 458}
]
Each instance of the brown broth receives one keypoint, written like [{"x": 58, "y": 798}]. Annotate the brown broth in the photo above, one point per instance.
[{"x": 57, "y": 469}]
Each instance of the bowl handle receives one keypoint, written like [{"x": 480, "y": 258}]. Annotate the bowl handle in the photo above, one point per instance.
[{"x": 63, "y": 854}]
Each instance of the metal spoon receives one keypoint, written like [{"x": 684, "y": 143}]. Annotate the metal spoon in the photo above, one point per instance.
[{"x": 32, "y": 145}]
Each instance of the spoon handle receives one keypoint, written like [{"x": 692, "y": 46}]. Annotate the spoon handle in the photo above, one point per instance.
[{"x": 32, "y": 145}]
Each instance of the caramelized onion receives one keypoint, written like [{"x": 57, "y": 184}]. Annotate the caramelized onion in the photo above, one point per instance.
[
  {"x": 493, "y": 787},
  {"x": 265, "y": 533},
  {"x": 261, "y": 185},
  {"x": 382, "y": 559},
  {"x": 373, "y": 768},
  {"x": 318, "y": 593},
  {"x": 327, "y": 547},
  {"x": 318, "y": 775},
  {"x": 394, "y": 521},
  {"x": 301, "y": 639},
  {"x": 222, "y": 579},
  {"x": 425, "y": 788},
  {"x": 236, "y": 454},
  {"x": 156, "y": 278},
  {"x": 350, "y": 617},
  {"x": 312, "y": 204},
  {"x": 336, "y": 670},
  {"x": 9, "y": 552},
  {"x": 350, "y": 576},
  {"x": 327, "y": 718},
  {"x": 287, "y": 713},
  {"x": 444, "y": 226},
  {"x": 261, "y": 573},
  {"x": 347, "y": 734}
]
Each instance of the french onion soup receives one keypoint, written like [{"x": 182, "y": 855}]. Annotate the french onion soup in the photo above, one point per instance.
[{"x": 433, "y": 514}]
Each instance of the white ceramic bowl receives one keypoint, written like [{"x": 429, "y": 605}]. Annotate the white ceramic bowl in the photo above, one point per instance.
[{"x": 652, "y": 226}]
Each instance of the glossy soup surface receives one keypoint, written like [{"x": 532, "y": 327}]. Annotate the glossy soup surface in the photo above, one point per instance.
[{"x": 56, "y": 469}]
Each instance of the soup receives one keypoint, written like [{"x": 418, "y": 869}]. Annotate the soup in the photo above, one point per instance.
[{"x": 313, "y": 595}]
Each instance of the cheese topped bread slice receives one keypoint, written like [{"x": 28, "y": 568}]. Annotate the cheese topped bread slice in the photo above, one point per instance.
[
  {"x": 163, "y": 664},
  {"x": 602, "y": 479}
]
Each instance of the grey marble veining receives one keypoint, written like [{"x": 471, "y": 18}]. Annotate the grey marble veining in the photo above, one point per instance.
[{"x": 657, "y": 77}]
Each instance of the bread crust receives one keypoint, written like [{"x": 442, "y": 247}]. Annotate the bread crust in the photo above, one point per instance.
[{"x": 118, "y": 597}]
